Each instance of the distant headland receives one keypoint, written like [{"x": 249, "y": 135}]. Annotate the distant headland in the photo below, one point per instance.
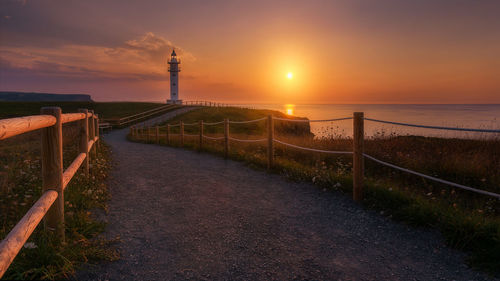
[{"x": 22, "y": 96}]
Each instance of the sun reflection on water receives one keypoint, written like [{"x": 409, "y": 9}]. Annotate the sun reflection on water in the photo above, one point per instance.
[{"x": 289, "y": 108}]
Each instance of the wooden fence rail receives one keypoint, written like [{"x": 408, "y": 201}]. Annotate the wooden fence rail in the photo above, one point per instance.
[
  {"x": 128, "y": 120},
  {"x": 50, "y": 206}
]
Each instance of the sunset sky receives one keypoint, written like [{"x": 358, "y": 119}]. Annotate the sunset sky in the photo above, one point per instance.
[{"x": 344, "y": 51}]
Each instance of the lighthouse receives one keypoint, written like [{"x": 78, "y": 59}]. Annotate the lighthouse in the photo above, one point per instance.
[{"x": 173, "y": 68}]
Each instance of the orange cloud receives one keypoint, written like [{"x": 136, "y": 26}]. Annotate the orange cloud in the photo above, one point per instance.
[{"x": 137, "y": 59}]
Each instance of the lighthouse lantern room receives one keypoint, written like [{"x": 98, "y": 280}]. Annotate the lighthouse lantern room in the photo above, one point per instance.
[{"x": 174, "y": 69}]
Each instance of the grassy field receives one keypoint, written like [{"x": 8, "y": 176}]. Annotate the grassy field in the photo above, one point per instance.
[
  {"x": 20, "y": 187},
  {"x": 215, "y": 114},
  {"x": 106, "y": 110},
  {"x": 468, "y": 221}
]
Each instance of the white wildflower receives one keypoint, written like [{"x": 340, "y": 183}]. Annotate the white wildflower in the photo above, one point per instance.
[{"x": 30, "y": 245}]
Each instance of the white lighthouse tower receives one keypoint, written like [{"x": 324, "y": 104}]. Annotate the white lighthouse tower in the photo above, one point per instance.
[{"x": 174, "y": 79}]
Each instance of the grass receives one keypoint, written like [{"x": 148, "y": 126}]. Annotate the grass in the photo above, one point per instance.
[
  {"x": 467, "y": 221},
  {"x": 215, "y": 114},
  {"x": 106, "y": 110},
  {"x": 20, "y": 187}
]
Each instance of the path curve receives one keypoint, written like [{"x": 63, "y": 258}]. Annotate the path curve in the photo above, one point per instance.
[{"x": 188, "y": 215}]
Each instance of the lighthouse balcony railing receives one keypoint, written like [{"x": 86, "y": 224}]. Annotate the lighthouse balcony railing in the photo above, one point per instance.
[{"x": 174, "y": 62}]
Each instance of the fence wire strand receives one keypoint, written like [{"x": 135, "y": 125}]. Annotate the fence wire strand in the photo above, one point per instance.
[
  {"x": 214, "y": 123},
  {"x": 241, "y": 140},
  {"x": 432, "y": 178},
  {"x": 312, "y": 149},
  {"x": 435, "y": 127},
  {"x": 307, "y": 120},
  {"x": 249, "y": 121},
  {"x": 213, "y": 138}
]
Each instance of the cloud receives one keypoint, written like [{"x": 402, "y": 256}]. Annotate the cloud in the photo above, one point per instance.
[
  {"x": 137, "y": 59},
  {"x": 156, "y": 47}
]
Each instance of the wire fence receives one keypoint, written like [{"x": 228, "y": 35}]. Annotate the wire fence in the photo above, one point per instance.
[{"x": 358, "y": 147}]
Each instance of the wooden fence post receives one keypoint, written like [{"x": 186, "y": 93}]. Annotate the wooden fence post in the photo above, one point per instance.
[
  {"x": 92, "y": 133},
  {"x": 52, "y": 171},
  {"x": 270, "y": 143},
  {"x": 182, "y": 133},
  {"x": 226, "y": 137},
  {"x": 98, "y": 141},
  {"x": 201, "y": 134},
  {"x": 168, "y": 134},
  {"x": 157, "y": 134},
  {"x": 84, "y": 140},
  {"x": 358, "y": 158},
  {"x": 147, "y": 134}
]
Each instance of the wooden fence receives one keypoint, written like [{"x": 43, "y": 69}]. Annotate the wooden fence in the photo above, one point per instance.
[
  {"x": 50, "y": 206},
  {"x": 205, "y": 103},
  {"x": 357, "y": 149},
  {"x": 357, "y": 152},
  {"x": 212, "y": 104}
]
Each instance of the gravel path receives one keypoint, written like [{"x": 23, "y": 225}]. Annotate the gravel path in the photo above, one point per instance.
[{"x": 188, "y": 215}]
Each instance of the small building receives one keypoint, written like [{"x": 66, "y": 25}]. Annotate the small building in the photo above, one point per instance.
[{"x": 174, "y": 69}]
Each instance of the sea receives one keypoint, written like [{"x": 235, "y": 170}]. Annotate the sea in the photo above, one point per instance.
[{"x": 477, "y": 116}]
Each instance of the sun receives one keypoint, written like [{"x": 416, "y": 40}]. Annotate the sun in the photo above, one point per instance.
[{"x": 289, "y": 75}]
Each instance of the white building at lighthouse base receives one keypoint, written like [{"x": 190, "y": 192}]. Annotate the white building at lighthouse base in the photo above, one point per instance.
[{"x": 174, "y": 101}]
